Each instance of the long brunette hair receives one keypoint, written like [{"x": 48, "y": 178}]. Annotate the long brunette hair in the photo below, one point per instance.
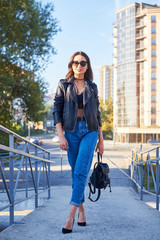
[{"x": 88, "y": 74}]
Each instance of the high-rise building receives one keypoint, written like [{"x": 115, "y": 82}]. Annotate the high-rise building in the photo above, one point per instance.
[
  {"x": 137, "y": 73},
  {"x": 106, "y": 82}
]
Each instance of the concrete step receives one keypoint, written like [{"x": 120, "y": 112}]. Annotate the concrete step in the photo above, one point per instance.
[{"x": 119, "y": 215}]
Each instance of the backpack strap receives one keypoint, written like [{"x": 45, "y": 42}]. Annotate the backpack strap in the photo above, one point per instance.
[
  {"x": 99, "y": 157},
  {"x": 91, "y": 191}
]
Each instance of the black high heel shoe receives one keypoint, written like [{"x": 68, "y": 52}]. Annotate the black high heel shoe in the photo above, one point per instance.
[
  {"x": 66, "y": 230},
  {"x": 82, "y": 224}
]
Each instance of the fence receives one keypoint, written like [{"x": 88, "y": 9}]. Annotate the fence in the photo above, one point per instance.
[
  {"x": 145, "y": 172},
  {"x": 28, "y": 168}
]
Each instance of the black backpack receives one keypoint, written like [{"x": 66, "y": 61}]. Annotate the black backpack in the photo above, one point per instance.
[{"x": 99, "y": 178}]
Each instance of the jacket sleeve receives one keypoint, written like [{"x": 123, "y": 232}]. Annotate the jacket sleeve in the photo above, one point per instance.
[
  {"x": 97, "y": 103},
  {"x": 58, "y": 104}
]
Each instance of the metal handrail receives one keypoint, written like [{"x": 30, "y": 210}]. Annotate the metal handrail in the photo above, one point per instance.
[
  {"x": 139, "y": 167},
  {"x": 138, "y": 176},
  {"x": 6, "y": 130},
  {"x": 5, "y": 148},
  {"x": 16, "y": 159}
]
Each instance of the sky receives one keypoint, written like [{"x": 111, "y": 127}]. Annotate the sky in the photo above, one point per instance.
[{"x": 87, "y": 25}]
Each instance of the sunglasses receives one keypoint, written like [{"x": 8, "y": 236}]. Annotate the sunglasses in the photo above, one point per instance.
[{"x": 82, "y": 63}]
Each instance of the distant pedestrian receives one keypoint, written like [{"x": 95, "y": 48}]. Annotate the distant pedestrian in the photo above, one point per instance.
[{"x": 76, "y": 112}]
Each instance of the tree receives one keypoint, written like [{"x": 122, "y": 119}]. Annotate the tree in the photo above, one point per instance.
[
  {"x": 27, "y": 29},
  {"x": 107, "y": 117}
]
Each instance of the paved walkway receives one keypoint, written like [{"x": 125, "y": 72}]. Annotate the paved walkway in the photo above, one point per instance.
[{"x": 117, "y": 215}]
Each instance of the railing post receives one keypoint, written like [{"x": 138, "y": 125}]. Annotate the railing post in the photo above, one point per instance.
[
  {"x": 11, "y": 178},
  {"x": 148, "y": 177},
  {"x": 141, "y": 167},
  {"x": 49, "y": 190},
  {"x": 26, "y": 176},
  {"x": 132, "y": 166},
  {"x": 157, "y": 179},
  {"x": 3, "y": 187},
  {"x": 43, "y": 170},
  {"x": 36, "y": 180},
  {"x": 26, "y": 173}
]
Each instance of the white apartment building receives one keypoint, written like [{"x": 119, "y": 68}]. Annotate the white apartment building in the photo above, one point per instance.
[
  {"x": 137, "y": 73},
  {"x": 106, "y": 82}
]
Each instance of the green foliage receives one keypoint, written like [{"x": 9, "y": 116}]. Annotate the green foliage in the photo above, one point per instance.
[
  {"x": 106, "y": 110},
  {"x": 4, "y": 137},
  {"x": 18, "y": 84},
  {"x": 49, "y": 110},
  {"x": 27, "y": 29}
]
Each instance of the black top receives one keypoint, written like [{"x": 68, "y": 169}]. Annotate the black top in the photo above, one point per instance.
[{"x": 80, "y": 100}]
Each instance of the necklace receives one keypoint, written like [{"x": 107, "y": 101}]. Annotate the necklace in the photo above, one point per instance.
[
  {"x": 79, "y": 88},
  {"x": 78, "y": 91},
  {"x": 78, "y": 79}
]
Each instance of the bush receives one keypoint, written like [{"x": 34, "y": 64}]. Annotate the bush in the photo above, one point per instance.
[{"x": 4, "y": 137}]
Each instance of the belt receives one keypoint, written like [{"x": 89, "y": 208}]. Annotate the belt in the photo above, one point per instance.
[{"x": 81, "y": 119}]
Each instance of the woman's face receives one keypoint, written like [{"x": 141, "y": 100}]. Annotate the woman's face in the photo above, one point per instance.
[{"x": 79, "y": 69}]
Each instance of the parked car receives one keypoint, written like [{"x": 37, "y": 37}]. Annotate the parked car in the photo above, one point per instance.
[
  {"x": 35, "y": 140},
  {"x": 55, "y": 139},
  {"x": 153, "y": 141}
]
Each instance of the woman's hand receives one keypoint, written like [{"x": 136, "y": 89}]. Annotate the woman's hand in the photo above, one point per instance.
[
  {"x": 63, "y": 144},
  {"x": 100, "y": 144},
  {"x": 100, "y": 147}
]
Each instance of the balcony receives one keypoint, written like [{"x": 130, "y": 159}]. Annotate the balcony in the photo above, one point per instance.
[
  {"x": 140, "y": 35},
  {"x": 140, "y": 24},
  {"x": 140, "y": 13},
  {"x": 140, "y": 47},
  {"x": 140, "y": 58}
]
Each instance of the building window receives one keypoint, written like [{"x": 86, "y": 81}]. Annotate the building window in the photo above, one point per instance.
[
  {"x": 142, "y": 100},
  {"x": 153, "y": 98},
  {"x": 153, "y": 75},
  {"x": 153, "y": 64},
  {"x": 153, "y": 18},
  {"x": 153, "y": 110},
  {"x": 142, "y": 65},
  {"x": 123, "y": 13},
  {"x": 153, "y": 30},
  {"x": 142, "y": 88},
  {"x": 142, "y": 110},
  {"x": 153, "y": 41},
  {"x": 153, "y": 87},
  {"x": 119, "y": 122},
  {"x": 153, "y": 52},
  {"x": 153, "y": 121}
]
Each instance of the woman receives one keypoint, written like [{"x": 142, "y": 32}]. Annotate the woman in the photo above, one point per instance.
[{"x": 76, "y": 112}]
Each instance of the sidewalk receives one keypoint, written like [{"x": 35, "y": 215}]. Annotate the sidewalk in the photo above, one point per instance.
[{"x": 119, "y": 215}]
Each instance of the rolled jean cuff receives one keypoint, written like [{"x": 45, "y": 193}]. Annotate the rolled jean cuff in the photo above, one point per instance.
[{"x": 76, "y": 204}]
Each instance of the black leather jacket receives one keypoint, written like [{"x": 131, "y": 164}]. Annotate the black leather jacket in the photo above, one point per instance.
[{"x": 66, "y": 105}]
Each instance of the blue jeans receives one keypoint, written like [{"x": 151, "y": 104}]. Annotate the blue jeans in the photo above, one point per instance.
[{"x": 80, "y": 154}]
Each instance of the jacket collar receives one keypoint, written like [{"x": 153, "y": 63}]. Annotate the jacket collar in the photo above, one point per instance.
[
  {"x": 70, "y": 80},
  {"x": 88, "y": 91}
]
